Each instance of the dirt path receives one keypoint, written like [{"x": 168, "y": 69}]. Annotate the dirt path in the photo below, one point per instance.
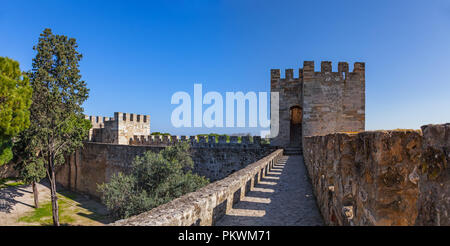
[
  {"x": 283, "y": 198},
  {"x": 17, "y": 202}
]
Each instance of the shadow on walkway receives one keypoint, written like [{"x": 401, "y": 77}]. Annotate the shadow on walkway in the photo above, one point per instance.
[{"x": 283, "y": 197}]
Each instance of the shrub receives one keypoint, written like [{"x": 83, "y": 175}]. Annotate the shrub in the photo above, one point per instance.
[{"x": 155, "y": 179}]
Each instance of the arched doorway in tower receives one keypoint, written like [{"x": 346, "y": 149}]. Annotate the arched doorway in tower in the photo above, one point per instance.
[{"x": 295, "y": 136}]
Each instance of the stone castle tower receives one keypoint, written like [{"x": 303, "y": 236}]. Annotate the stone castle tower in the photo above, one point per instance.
[
  {"x": 318, "y": 103},
  {"x": 120, "y": 129}
]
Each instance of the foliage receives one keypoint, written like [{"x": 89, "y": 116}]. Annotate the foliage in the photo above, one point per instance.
[
  {"x": 6, "y": 153},
  {"x": 57, "y": 121},
  {"x": 15, "y": 100},
  {"x": 155, "y": 179},
  {"x": 32, "y": 171},
  {"x": 265, "y": 141},
  {"x": 160, "y": 133},
  {"x": 9, "y": 182},
  {"x": 57, "y": 125}
]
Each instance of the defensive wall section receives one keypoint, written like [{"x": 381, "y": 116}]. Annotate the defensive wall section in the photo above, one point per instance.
[
  {"x": 327, "y": 101},
  {"x": 398, "y": 177},
  {"x": 208, "y": 204},
  {"x": 118, "y": 129},
  {"x": 95, "y": 163}
]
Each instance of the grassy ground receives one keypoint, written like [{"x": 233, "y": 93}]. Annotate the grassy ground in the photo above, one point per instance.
[
  {"x": 9, "y": 182},
  {"x": 73, "y": 210}
]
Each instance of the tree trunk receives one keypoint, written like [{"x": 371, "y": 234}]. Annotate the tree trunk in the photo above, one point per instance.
[
  {"x": 36, "y": 195},
  {"x": 53, "y": 192}
]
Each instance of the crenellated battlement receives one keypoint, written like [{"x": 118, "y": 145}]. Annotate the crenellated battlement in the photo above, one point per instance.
[
  {"x": 130, "y": 117},
  {"x": 118, "y": 129},
  {"x": 275, "y": 74},
  {"x": 308, "y": 72},
  {"x": 97, "y": 121},
  {"x": 327, "y": 67},
  {"x": 197, "y": 141},
  {"x": 328, "y": 100}
]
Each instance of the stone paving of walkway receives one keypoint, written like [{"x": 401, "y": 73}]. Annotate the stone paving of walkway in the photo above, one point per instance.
[{"x": 283, "y": 198}]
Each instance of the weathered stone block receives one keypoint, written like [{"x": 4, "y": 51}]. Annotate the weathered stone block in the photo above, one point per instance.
[
  {"x": 318, "y": 103},
  {"x": 364, "y": 178},
  {"x": 434, "y": 180}
]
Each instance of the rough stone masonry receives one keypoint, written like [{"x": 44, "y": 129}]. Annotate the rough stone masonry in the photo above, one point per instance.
[
  {"x": 318, "y": 103},
  {"x": 398, "y": 177}
]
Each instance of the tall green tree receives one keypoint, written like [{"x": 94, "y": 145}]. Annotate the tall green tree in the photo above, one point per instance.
[
  {"x": 30, "y": 165},
  {"x": 57, "y": 125},
  {"x": 15, "y": 100}
]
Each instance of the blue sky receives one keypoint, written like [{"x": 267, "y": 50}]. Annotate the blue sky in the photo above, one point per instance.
[{"x": 138, "y": 53}]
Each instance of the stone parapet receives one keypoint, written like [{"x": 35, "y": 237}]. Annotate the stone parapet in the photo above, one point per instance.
[
  {"x": 398, "y": 177},
  {"x": 434, "y": 181},
  {"x": 207, "y": 205},
  {"x": 198, "y": 141}
]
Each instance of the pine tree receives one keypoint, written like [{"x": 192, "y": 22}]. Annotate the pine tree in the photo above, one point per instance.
[{"x": 15, "y": 100}]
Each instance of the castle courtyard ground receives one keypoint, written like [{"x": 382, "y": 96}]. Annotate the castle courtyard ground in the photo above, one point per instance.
[{"x": 17, "y": 207}]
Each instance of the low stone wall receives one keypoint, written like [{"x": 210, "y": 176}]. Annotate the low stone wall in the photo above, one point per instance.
[
  {"x": 95, "y": 163},
  {"x": 397, "y": 177},
  {"x": 207, "y": 205}
]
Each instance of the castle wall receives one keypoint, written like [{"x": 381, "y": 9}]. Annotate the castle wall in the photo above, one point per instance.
[
  {"x": 110, "y": 133},
  {"x": 434, "y": 181},
  {"x": 98, "y": 123},
  {"x": 330, "y": 101},
  {"x": 214, "y": 158},
  {"x": 290, "y": 94},
  {"x": 398, "y": 177},
  {"x": 333, "y": 101},
  {"x": 130, "y": 125},
  {"x": 118, "y": 130},
  {"x": 95, "y": 163}
]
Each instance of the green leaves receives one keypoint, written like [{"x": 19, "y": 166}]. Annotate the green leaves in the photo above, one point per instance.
[
  {"x": 155, "y": 179},
  {"x": 33, "y": 171},
  {"x": 6, "y": 153},
  {"x": 57, "y": 124},
  {"x": 15, "y": 100}
]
